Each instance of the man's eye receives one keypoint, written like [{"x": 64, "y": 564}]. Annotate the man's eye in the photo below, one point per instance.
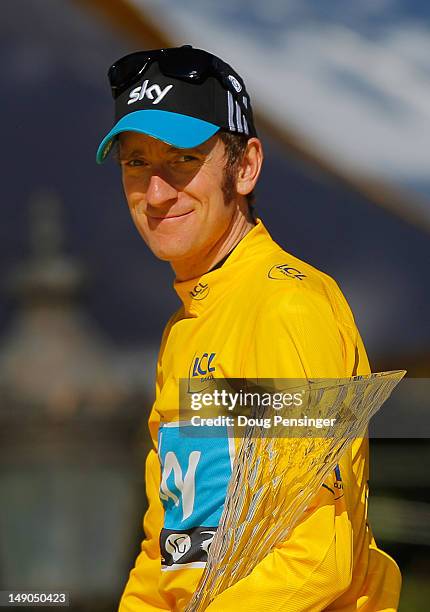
[
  {"x": 133, "y": 163},
  {"x": 185, "y": 158}
]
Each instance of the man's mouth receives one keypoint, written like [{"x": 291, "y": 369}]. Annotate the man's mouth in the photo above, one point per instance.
[{"x": 170, "y": 216}]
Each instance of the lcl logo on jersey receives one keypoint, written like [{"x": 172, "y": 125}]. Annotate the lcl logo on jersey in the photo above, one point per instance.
[
  {"x": 152, "y": 92},
  {"x": 200, "y": 291},
  {"x": 284, "y": 271},
  {"x": 202, "y": 366},
  {"x": 200, "y": 372}
]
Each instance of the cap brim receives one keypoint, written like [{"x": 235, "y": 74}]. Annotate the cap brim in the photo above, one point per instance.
[{"x": 177, "y": 130}]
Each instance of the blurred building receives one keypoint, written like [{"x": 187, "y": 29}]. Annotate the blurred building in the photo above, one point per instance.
[{"x": 71, "y": 438}]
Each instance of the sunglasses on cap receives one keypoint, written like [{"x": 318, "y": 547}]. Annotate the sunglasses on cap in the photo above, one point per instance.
[{"x": 183, "y": 63}]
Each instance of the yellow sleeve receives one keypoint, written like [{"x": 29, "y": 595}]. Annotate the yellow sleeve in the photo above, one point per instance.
[
  {"x": 141, "y": 591},
  {"x": 307, "y": 334},
  {"x": 301, "y": 335}
]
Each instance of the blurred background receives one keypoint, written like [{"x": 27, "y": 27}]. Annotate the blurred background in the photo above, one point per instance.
[{"x": 342, "y": 97}]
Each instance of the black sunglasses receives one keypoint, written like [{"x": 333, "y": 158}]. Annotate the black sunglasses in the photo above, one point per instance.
[{"x": 184, "y": 63}]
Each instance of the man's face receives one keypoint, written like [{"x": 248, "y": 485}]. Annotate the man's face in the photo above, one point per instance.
[{"x": 175, "y": 195}]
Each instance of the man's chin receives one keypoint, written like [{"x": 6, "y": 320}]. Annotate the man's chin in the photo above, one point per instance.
[{"x": 171, "y": 253}]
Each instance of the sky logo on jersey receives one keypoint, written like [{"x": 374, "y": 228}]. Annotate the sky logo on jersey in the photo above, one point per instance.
[
  {"x": 284, "y": 271},
  {"x": 194, "y": 476}
]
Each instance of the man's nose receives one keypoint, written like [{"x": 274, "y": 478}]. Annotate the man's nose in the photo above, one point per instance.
[{"x": 160, "y": 191}]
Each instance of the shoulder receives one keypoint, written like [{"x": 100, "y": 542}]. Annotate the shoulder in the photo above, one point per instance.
[
  {"x": 174, "y": 318},
  {"x": 285, "y": 285}
]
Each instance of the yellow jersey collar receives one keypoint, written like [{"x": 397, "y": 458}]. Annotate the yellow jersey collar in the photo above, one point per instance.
[{"x": 198, "y": 293}]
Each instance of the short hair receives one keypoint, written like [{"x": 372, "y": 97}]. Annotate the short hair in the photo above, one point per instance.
[{"x": 235, "y": 147}]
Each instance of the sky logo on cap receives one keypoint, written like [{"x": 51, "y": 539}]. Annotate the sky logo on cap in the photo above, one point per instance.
[{"x": 153, "y": 92}]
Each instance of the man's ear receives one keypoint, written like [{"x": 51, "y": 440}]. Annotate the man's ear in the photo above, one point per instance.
[{"x": 250, "y": 167}]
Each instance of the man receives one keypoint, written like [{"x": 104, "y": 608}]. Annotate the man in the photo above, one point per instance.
[{"x": 190, "y": 159}]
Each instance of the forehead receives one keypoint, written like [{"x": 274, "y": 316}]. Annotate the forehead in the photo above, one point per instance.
[{"x": 135, "y": 142}]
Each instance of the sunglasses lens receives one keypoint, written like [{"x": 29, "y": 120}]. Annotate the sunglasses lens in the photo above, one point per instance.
[
  {"x": 185, "y": 63},
  {"x": 128, "y": 69}
]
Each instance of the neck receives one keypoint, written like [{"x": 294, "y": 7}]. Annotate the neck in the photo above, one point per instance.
[{"x": 186, "y": 269}]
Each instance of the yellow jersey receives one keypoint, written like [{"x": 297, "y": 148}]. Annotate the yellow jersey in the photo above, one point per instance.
[{"x": 262, "y": 314}]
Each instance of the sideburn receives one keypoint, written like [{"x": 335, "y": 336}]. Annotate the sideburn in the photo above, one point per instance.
[{"x": 229, "y": 183}]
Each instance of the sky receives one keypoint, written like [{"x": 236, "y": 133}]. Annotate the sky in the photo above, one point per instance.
[{"x": 351, "y": 79}]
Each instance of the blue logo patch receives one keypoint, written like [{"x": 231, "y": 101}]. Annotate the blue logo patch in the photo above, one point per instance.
[{"x": 194, "y": 476}]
